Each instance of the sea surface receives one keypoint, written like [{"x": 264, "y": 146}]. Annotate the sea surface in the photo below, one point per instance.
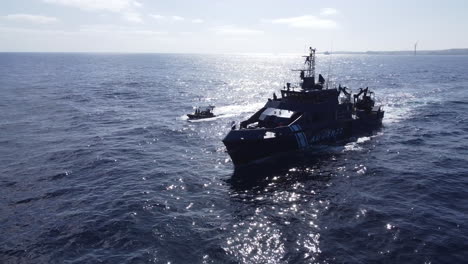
[{"x": 98, "y": 163}]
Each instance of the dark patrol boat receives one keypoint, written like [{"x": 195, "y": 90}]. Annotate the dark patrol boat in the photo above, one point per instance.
[
  {"x": 304, "y": 116},
  {"x": 202, "y": 112}
]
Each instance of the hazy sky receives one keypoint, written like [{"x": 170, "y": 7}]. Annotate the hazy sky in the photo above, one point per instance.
[{"x": 209, "y": 26}]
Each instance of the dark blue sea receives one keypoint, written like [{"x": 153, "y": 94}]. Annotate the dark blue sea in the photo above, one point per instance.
[{"x": 98, "y": 163}]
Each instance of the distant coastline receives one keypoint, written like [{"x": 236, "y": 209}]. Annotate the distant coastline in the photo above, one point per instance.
[{"x": 408, "y": 52}]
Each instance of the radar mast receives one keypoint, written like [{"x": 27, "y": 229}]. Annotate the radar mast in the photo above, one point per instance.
[{"x": 310, "y": 62}]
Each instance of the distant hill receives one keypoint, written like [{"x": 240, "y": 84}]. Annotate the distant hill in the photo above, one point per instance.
[{"x": 410, "y": 52}]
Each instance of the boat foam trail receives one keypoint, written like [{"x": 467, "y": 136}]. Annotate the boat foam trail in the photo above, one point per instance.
[
  {"x": 228, "y": 111},
  {"x": 234, "y": 110},
  {"x": 210, "y": 119}
]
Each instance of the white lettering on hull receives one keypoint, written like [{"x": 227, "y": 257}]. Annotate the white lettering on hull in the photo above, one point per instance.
[
  {"x": 303, "y": 141},
  {"x": 327, "y": 134}
]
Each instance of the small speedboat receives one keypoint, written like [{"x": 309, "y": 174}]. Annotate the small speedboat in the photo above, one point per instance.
[{"x": 202, "y": 112}]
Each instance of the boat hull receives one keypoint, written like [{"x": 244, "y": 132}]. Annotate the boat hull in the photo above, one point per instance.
[
  {"x": 196, "y": 117},
  {"x": 248, "y": 145}
]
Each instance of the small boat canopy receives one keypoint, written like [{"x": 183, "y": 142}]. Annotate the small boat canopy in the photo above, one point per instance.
[{"x": 205, "y": 108}]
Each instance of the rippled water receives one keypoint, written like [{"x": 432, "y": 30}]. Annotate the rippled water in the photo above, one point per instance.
[{"x": 98, "y": 163}]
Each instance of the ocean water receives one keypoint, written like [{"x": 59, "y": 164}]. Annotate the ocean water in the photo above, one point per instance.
[{"x": 99, "y": 165}]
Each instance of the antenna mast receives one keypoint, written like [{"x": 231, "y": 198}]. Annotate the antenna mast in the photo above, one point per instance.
[
  {"x": 329, "y": 65},
  {"x": 310, "y": 60}
]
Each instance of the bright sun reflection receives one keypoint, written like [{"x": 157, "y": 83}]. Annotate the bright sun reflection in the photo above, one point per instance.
[{"x": 271, "y": 230}]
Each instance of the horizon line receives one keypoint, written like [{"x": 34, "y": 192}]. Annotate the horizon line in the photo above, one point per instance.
[{"x": 243, "y": 53}]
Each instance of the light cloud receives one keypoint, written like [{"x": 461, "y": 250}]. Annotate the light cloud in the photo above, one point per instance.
[
  {"x": 197, "y": 21},
  {"x": 133, "y": 17},
  {"x": 22, "y": 30},
  {"x": 36, "y": 19},
  {"x": 234, "y": 30},
  {"x": 177, "y": 18},
  {"x": 158, "y": 17},
  {"x": 328, "y": 11},
  {"x": 137, "y": 4},
  {"x": 88, "y": 30},
  {"x": 125, "y": 7},
  {"x": 118, "y": 30},
  {"x": 305, "y": 22},
  {"x": 95, "y": 5}
]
